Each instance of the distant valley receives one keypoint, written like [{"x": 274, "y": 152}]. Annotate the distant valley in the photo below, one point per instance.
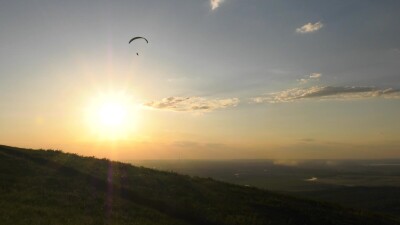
[{"x": 365, "y": 184}]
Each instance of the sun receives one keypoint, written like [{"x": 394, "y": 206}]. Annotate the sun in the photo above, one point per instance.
[{"x": 111, "y": 116}]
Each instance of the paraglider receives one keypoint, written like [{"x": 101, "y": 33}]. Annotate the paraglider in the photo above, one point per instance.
[
  {"x": 135, "y": 38},
  {"x": 138, "y": 38}
]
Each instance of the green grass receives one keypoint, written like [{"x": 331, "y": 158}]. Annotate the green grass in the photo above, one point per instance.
[{"x": 51, "y": 187}]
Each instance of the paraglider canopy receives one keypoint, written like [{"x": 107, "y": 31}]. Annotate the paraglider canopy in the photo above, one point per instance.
[
  {"x": 135, "y": 38},
  {"x": 138, "y": 38}
]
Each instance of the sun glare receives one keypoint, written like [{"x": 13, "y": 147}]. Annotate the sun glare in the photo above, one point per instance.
[{"x": 112, "y": 116}]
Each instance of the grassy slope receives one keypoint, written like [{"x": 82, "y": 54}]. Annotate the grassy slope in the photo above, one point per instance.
[{"x": 51, "y": 187}]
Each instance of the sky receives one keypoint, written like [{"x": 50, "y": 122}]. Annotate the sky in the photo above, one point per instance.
[{"x": 219, "y": 79}]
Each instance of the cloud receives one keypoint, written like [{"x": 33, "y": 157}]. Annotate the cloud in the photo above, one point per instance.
[
  {"x": 303, "y": 80},
  {"x": 307, "y": 140},
  {"x": 192, "y": 104},
  {"x": 309, "y": 28},
  {"x": 215, "y": 4},
  {"x": 313, "y": 76},
  {"x": 328, "y": 92}
]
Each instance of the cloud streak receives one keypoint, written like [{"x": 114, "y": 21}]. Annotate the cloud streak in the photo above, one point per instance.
[
  {"x": 313, "y": 76},
  {"x": 192, "y": 104},
  {"x": 309, "y": 28},
  {"x": 215, "y": 4},
  {"x": 328, "y": 92}
]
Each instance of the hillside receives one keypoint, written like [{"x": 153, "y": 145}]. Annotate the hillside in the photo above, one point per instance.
[{"x": 51, "y": 187}]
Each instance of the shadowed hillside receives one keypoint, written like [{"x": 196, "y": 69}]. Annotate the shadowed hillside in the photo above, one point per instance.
[{"x": 51, "y": 187}]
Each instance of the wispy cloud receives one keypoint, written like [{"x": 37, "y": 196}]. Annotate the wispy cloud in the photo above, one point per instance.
[
  {"x": 328, "y": 92},
  {"x": 310, "y": 27},
  {"x": 192, "y": 104},
  {"x": 303, "y": 80},
  {"x": 307, "y": 140},
  {"x": 215, "y": 4},
  {"x": 313, "y": 76}
]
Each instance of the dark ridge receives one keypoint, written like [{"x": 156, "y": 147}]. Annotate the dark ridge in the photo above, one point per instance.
[{"x": 51, "y": 187}]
